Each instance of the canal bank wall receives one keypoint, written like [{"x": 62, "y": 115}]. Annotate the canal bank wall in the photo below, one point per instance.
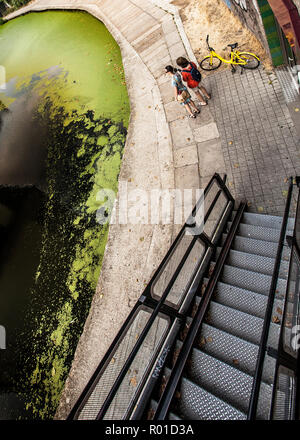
[{"x": 164, "y": 150}]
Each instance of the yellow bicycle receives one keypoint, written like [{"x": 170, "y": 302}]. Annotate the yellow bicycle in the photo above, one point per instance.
[{"x": 213, "y": 61}]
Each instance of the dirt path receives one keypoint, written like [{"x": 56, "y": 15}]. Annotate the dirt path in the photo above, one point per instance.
[{"x": 203, "y": 17}]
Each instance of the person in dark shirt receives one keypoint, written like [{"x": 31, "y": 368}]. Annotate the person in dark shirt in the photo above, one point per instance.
[{"x": 192, "y": 84}]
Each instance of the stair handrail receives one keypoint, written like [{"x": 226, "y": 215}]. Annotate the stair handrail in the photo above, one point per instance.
[
  {"x": 283, "y": 358},
  {"x": 176, "y": 373},
  {"x": 253, "y": 402},
  {"x": 156, "y": 306}
]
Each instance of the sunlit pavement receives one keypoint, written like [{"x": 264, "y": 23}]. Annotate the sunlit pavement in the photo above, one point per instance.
[{"x": 257, "y": 121}]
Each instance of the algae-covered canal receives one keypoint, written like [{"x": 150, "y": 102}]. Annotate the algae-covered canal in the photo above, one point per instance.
[{"x": 62, "y": 136}]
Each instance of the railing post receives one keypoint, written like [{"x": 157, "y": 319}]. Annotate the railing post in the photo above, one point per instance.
[{"x": 265, "y": 332}]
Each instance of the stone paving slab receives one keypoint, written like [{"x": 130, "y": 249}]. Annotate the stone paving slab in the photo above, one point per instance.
[
  {"x": 260, "y": 142},
  {"x": 186, "y": 156},
  {"x": 187, "y": 177},
  {"x": 206, "y": 132},
  {"x": 182, "y": 134},
  {"x": 210, "y": 157},
  {"x": 173, "y": 111}
]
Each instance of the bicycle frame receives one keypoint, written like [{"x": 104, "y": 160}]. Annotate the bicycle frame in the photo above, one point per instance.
[{"x": 234, "y": 57}]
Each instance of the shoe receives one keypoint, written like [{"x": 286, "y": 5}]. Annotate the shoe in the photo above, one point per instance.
[
  {"x": 192, "y": 116},
  {"x": 196, "y": 112}
]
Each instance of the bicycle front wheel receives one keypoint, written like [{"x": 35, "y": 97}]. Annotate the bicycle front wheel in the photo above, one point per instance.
[
  {"x": 251, "y": 60},
  {"x": 210, "y": 63}
]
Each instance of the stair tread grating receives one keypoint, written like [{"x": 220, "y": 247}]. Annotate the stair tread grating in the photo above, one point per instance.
[
  {"x": 266, "y": 220},
  {"x": 243, "y": 325},
  {"x": 226, "y": 382},
  {"x": 250, "y": 280},
  {"x": 218, "y": 377},
  {"x": 257, "y": 247},
  {"x": 195, "y": 403},
  {"x": 259, "y": 232},
  {"x": 255, "y": 263},
  {"x": 232, "y": 350},
  {"x": 244, "y": 300}
]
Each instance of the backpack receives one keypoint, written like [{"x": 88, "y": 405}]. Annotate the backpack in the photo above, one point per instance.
[{"x": 196, "y": 75}]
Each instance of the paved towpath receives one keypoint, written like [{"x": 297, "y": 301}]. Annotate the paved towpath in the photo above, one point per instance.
[
  {"x": 258, "y": 119},
  {"x": 164, "y": 149}
]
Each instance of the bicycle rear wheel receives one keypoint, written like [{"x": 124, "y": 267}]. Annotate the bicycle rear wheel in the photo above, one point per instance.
[
  {"x": 210, "y": 63},
  {"x": 252, "y": 61}
]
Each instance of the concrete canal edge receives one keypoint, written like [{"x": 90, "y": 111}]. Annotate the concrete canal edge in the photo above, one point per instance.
[{"x": 164, "y": 150}]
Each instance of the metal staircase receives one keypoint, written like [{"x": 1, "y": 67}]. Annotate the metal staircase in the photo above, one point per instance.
[
  {"x": 214, "y": 337},
  {"x": 218, "y": 376}
]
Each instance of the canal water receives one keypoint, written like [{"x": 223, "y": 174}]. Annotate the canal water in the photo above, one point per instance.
[{"x": 64, "y": 115}]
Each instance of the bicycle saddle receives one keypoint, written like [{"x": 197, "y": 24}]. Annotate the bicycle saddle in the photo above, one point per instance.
[{"x": 233, "y": 46}]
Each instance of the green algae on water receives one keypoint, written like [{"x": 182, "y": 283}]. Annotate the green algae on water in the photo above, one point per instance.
[
  {"x": 2, "y": 106},
  {"x": 81, "y": 46},
  {"x": 82, "y": 100}
]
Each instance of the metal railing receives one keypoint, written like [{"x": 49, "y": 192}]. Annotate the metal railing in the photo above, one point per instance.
[
  {"x": 177, "y": 369},
  {"x": 283, "y": 358},
  {"x": 122, "y": 383},
  {"x": 286, "y": 390}
]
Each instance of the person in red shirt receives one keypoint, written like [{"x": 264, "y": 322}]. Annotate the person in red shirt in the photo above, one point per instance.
[{"x": 192, "y": 84}]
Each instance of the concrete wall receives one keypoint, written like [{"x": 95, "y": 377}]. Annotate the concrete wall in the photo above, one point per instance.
[{"x": 248, "y": 13}]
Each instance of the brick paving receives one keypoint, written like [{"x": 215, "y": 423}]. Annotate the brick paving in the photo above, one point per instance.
[{"x": 259, "y": 140}]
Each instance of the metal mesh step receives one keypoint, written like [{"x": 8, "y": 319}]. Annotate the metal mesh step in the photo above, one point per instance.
[
  {"x": 244, "y": 300},
  {"x": 249, "y": 280},
  {"x": 226, "y": 382},
  {"x": 259, "y": 232},
  {"x": 218, "y": 376},
  {"x": 257, "y": 247},
  {"x": 233, "y": 350},
  {"x": 268, "y": 221},
  {"x": 195, "y": 403},
  {"x": 255, "y": 263},
  {"x": 240, "y": 324}
]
